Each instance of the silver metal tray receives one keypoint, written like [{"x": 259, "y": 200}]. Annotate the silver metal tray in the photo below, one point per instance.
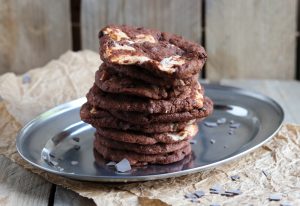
[{"x": 58, "y": 142}]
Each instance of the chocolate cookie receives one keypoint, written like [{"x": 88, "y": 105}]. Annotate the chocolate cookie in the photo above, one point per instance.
[
  {"x": 141, "y": 118},
  {"x": 113, "y": 83},
  {"x": 149, "y": 139},
  {"x": 159, "y": 148},
  {"x": 103, "y": 118},
  {"x": 186, "y": 162},
  {"x": 139, "y": 73},
  {"x": 141, "y": 159},
  {"x": 164, "y": 54},
  {"x": 189, "y": 100}
]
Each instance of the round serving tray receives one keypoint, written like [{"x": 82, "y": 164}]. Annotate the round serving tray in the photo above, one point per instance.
[{"x": 59, "y": 142}]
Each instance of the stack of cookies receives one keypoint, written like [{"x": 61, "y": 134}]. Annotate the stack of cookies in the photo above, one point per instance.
[{"x": 146, "y": 99}]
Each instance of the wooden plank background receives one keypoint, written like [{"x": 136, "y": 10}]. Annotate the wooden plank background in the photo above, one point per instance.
[
  {"x": 244, "y": 39},
  {"x": 180, "y": 17},
  {"x": 32, "y": 33},
  {"x": 251, "y": 39}
]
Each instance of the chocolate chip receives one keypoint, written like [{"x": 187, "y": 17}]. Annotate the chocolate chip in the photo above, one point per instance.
[
  {"x": 212, "y": 141},
  {"x": 221, "y": 120},
  {"x": 275, "y": 197},
  {"x": 123, "y": 166},
  {"x": 199, "y": 193},
  {"x": 76, "y": 139},
  {"x": 235, "y": 177},
  {"x": 210, "y": 124}
]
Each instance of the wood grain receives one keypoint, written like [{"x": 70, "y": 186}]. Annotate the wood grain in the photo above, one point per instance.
[
  {"x": 177, "y": 16},
  {"x": 286, "y": 93},
  {"x": 32, "y": 33},
  {"x": 65, "y": 197},
  {"x": 251, "y": 39},
  {"x": 21, "y": 187}
]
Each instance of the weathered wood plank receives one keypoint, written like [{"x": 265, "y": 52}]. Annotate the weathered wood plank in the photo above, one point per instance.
[
  {"x": 251, "y": 39},
  {"x": 64, "y": 197},
  {"x": 177, "y": 16},
  {"x": 32, "y": 33},
  {"x": 21, "y": 187},
  {"x": 286, "y": 93}
]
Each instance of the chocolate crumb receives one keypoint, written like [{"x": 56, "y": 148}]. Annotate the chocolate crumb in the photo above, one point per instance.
[
  {"x": 234, "y": 192},
  {"x": 275, "y": 197},
  {"x": 221, "y": 120},
  {"x": 193, "y": 141},
  {"x": 123, "y": 166},
  {"x": 74, "y": 162},
  {"x": 210, "y": 124},
  {"x": 285, "y": 204},
  {"x": 76, "y": 139},
  {"x": 235, "y": 125},
  {"x": 235, "y": 177},
  {"x": 199, "y": 193},
  {"x": 190, "y": 196},
  {"x": 51, "y": 155}
]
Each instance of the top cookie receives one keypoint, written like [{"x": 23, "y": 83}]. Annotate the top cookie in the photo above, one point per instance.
[{"x": 165, "y": 54}]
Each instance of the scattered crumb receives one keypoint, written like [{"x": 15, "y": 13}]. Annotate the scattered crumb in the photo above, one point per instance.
[
  {"x": 76, "y": 139},
  {"x": 275, "y": 197},
  {"x": 221, "y": 120},
  {"x": 235, "y": 177},
  {"x": 210, "y": 124},
  {"x": 235, "y": 125},
  {"x": 285, "y": 204},
  {"x": 193, "y": 141},
  {"x": 199, "y": 193}
]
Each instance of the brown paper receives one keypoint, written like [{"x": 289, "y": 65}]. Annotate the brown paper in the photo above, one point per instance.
[{"x": 269, "y": 169}]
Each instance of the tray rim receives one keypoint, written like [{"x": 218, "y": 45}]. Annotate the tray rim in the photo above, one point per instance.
[{"x": 91, "y": 178}]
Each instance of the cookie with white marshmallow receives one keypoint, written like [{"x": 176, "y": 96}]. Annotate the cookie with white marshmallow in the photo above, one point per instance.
[{"x": 166, "y": 55}]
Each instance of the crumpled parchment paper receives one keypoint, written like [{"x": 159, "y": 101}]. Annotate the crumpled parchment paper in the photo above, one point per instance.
[{"x": 273, "y": 168}]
